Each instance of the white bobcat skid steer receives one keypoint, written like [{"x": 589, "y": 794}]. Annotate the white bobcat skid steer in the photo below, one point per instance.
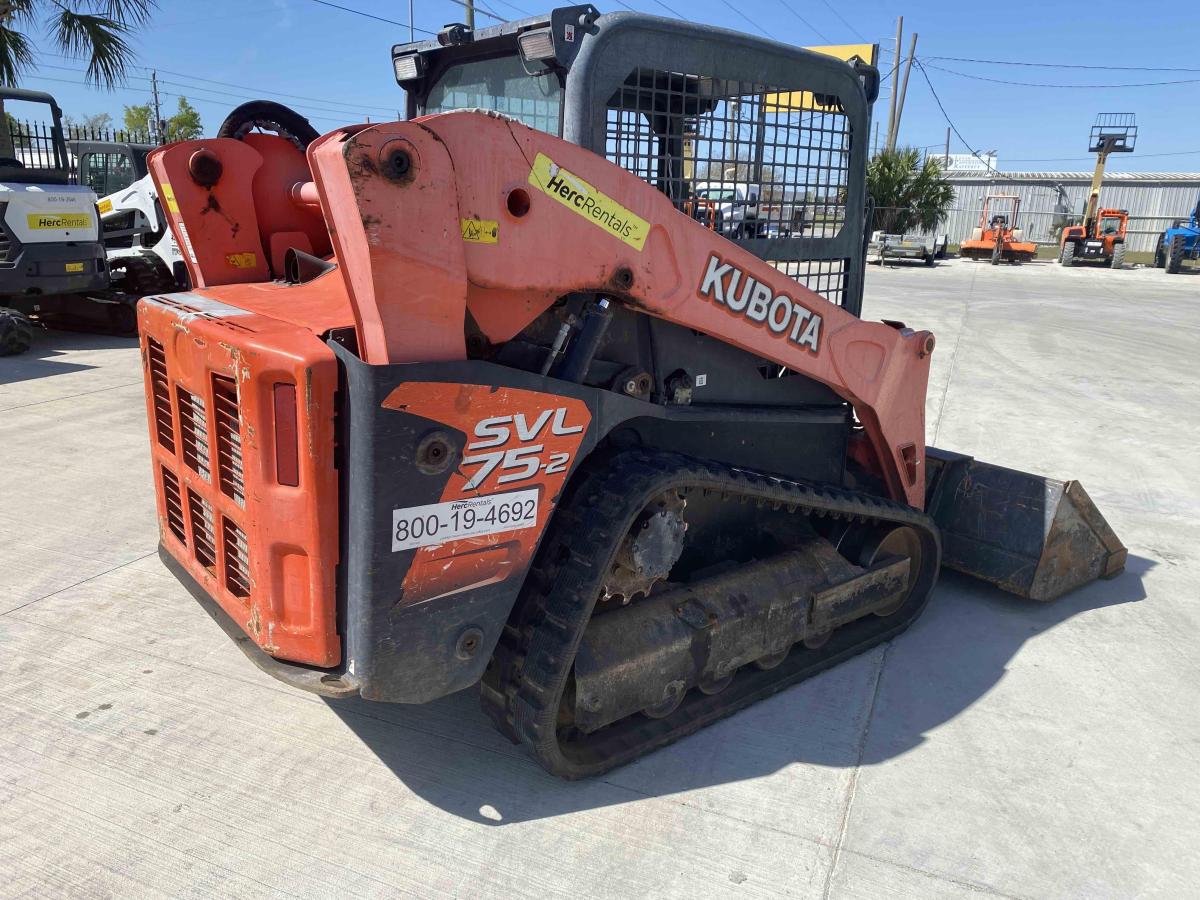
[
  {"x": 52, "y": 262},
  {"x": 142, "y": 253}
]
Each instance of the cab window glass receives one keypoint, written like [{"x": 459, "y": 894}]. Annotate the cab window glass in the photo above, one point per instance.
[
  {"x": 106, "y": 173},
  {"x": 501, "y": 84},
  {"x": 32, "y": 141}
]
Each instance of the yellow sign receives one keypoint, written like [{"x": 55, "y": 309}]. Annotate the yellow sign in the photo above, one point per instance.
[
  {"x": 105, "y": 206},
  {"x": 577, "y": 195},
  {"x": 242, "y": 260},
  {"x": 168, "y": 196},
  {"x": 802, "y": 100},
  {"x": 480, "y": 231},
  {"x": 45, "y": 221},
  {"x": 73, "y": 267}
]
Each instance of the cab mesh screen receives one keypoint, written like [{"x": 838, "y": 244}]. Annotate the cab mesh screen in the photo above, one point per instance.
[{"x": 748, "y": 160}]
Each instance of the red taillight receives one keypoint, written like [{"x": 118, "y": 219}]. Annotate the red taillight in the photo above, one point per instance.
[{"x": 287, "y": 452}]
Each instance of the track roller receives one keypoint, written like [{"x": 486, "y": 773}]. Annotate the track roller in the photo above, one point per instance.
[{"x": 587, "y": 685}]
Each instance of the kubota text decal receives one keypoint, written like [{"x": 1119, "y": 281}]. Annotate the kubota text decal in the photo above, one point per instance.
[{"x": 742, "y": 295}]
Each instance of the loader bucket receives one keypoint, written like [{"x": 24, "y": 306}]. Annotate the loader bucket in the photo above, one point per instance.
[{"x": 1032, "y": 536}]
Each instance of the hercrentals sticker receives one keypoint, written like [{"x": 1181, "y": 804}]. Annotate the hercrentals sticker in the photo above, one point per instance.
[
  {"x": 576, "y": 194},
  {"x": 740, "y": 294},
  {"x": 43, "y": 221}
]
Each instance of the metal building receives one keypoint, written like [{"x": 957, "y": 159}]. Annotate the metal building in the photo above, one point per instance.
[{"x": 1050, "y": 199}]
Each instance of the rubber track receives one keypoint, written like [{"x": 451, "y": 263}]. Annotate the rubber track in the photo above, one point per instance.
[
  {"x": 530, "y": 669},
  {"x": 148, "y": 277}
]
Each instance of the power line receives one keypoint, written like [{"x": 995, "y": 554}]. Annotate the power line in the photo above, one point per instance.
[
  {"x": 950, "y": 122},
  {"x": 483, "y": 10},
  {"x": 746, "y": 17},
  {"x": 352, "y": 108},
  {"x": 277, "y": 93},
  {"x": 1007, "y": 62},
  {"x": 671, "y": 11},
  {"x": 1081, "y": 158},
  {"x": 807, "y": 24},
  {"x": 1035, "y": 84},
  {"x": 523, "y": 12},
  {"x": 192, "y": 88},
  {"x": 367, "y": 15},
  {"x": 833, "y": 10},
  {"x": 190, "y": 96},
  {"x": 243, "y": 97}
]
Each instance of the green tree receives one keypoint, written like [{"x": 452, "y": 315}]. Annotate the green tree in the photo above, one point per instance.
[
  {"x": 95, "y": 122},
  {"x": 97, "y": 30},
  {"x": 138, "y": 119},
  {"x": 185, "y": 125},
  {"x": 909, "y": 195}
]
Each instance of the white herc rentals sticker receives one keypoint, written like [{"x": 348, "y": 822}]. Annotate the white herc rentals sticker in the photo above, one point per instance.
[{"x": 437, "y": 523}]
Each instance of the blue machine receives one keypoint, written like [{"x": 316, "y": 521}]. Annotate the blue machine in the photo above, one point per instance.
[{"x": 1179, "y": 242}]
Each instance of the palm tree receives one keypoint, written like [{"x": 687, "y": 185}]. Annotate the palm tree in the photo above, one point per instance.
[
  {"x": 909, "y": 195},
  {"x": 95, "y": 29}
]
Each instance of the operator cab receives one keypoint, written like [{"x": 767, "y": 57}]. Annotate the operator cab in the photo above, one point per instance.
[
  {"x": 757, "y": 142},
  {"x": 32, "y": 148},
  {"x": 110, "y": 166}
]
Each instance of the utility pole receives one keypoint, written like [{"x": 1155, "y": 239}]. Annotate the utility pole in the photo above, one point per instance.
[
  {"x": 411, "y": 32},
  {"x": 876, "y": 150},
  {"x": 912, "y": 49},
  {"x": 947, "y": 157},
  {"x": 895, "y": 76},
  {"x": 471, "y": 14},
  {"x": 157, "y": 128}
]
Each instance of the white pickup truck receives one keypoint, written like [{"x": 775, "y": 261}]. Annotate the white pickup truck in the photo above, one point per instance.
[
  {"x": 884, "y": 246},
  {"x": 730, "y": 208}
]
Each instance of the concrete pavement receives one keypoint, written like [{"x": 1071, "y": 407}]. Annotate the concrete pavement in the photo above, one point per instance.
[{"x": 997, "y": 748}]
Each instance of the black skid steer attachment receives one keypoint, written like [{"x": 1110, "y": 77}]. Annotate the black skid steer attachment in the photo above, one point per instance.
[{"x": 1029, "y": 535}]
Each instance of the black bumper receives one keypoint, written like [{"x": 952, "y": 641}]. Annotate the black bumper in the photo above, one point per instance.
[
  {"x": 326, "y": 682},
  {"x": 48, "y": 269}
]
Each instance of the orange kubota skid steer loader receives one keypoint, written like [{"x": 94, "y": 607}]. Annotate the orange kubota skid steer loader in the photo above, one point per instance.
[{"x": 471, "y": 398}]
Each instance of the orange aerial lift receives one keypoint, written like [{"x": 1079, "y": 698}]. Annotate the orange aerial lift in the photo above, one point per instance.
[{"x": 1101, "y": 237}]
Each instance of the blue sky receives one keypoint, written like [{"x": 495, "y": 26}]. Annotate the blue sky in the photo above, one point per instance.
[{"x": 340, "y": 64}]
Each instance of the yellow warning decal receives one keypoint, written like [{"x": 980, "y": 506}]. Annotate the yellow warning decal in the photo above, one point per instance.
[
  {"x": 168, "y": 196},
  {"x": 105, "y": 206},
  {"x": 576, "y": 194},
  {"x": 242, "y": 260},
  {"x": 44, "y": 221},
  {"x": 480, "y": 231},
  {"x": 73, "y": 267}
]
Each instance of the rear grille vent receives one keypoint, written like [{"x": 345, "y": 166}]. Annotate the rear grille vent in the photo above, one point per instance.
[
  {"x": 237, "y": 559},
  {"x": 193, "y": 431},
  {"x": 161, "y": 393},
  {"x": 204, "y": 530},
  {"x": 229, "y": 439},
  {"x": 174, "y": 505}
]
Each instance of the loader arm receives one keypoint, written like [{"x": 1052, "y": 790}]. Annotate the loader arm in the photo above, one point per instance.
[{"x": 474, "y": 215}]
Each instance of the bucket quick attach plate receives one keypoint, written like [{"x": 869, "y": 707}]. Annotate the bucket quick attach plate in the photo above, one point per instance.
[{"x": 1033, "y": 536}]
